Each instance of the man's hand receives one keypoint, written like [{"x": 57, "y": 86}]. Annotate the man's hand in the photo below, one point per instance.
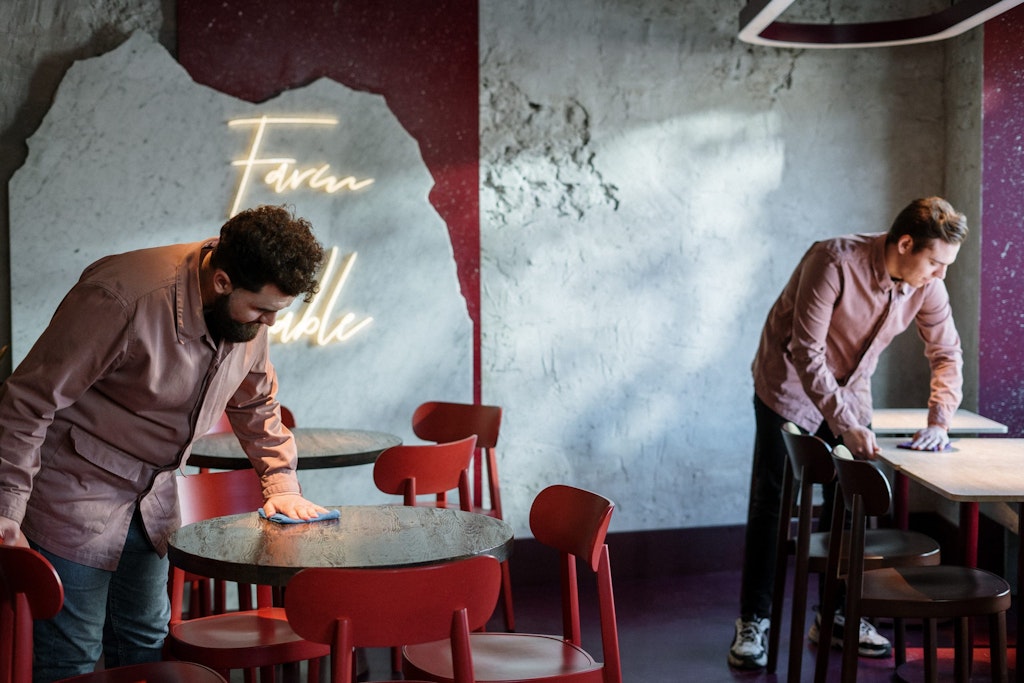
[
  {"x": 10, "y": 533},
  {"x": 861, "y": 442},
  {"x": 292, "y": 505},
  {"x": 933, "y": 438}
]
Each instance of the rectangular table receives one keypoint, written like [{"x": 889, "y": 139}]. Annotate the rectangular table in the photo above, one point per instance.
[
  {"x": 907, "y": 421},
  {"x": 975, "y": 471}
]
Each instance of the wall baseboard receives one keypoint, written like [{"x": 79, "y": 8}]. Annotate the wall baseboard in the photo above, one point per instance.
[
  {"x": 700, "y": 550},
  {"x": 644, "y": 554}
]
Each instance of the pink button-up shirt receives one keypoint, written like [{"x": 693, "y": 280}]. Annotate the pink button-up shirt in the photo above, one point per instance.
[
  {"x": 838, "y": 312},
  {"x": 103, "y": 410}
]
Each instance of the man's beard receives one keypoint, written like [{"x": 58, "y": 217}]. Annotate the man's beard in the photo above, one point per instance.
[{"x": 223, "y": 328}]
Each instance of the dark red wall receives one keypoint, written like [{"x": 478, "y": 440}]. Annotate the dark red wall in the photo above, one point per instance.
[
  {"x": 1001, "y": 366},
  {"x": 420, "y": 55}
]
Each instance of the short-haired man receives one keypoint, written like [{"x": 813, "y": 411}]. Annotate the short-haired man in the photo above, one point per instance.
[
  {"x": 143, "y": 355},
  {"x": 845, "y": 302}
]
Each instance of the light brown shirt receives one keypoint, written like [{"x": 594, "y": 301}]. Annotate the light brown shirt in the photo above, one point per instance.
[
  {"x": 824, "y": 334},
  {"x": 104, "y": 408}
]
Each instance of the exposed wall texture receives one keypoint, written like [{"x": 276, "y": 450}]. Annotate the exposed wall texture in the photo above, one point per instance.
[
  {"x": 647, "y": 183},
  {"x": 1002, "y": 288}
]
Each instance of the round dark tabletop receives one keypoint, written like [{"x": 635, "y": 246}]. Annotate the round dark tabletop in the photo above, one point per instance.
[
  {"x": 249, "y": 549},
  {"x": 318, "y": 448}
]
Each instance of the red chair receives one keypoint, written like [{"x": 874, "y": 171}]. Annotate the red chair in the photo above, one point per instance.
[
  {"x": 442, "y": 422},
  {"x": 574, "y": 522},
  {"x": 207, "y": 597},
  {"x": 411, "y": 471},
  {"x": 350, "y": 608},
  {"x": 246, "y": 639},
  {"x": 31, "y": 589}
]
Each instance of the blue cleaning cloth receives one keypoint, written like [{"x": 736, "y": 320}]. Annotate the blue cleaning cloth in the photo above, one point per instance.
[{"x": 284, "y": 519}]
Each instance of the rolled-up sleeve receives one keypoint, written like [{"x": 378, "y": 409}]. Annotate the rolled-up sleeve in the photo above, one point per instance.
[{"x": 943, "y": 349}]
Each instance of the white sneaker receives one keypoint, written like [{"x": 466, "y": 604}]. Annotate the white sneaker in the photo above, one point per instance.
[
  {"x": 871, "y": 644},
  {"x": 749, "y": 646}
]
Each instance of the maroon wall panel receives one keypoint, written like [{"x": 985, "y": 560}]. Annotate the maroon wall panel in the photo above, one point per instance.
[
  {"x": 1001, "y": 367},
  {"x": 420, "y": 55}
]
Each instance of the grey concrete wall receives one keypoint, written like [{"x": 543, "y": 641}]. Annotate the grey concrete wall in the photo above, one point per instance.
[{"x": 647, "y": 184}]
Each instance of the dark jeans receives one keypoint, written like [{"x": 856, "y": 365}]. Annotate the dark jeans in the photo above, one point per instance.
[
  {"x": 121, "y": 614},
  {"x": 763, "y": 511}
]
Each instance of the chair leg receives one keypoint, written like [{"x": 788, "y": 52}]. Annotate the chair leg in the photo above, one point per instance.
[
  {"x": 799, "y": 612},
  {"x": 899, "y": 629},
  {"x": 829, "y": 597},
  {"x": 961, "y": 651},
  {"x": 506, "y": 598},
  {"x": 931, "y": 656},
  {"x": 997, "y": 645},
  {"x": 781, "y": 565},
  {"x": 851, "y": 636}
]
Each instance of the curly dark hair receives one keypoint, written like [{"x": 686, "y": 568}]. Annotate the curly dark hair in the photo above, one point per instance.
[{"x": 269, "y": 244}]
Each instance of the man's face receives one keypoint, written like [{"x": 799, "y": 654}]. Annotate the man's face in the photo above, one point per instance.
[
  {"x": 237, "y": 316},
  {"x": 919, "y": 268}
]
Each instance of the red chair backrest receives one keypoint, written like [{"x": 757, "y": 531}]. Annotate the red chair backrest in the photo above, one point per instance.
[
  {"x": 349, "y": 608},
  {"x": 439, "y": 422},
  {"x": 572, "y": 521},
  {"x": 429, "y": 469},
  {"x": 215, "y": 494},
  {"x": 29, "y": 589}
]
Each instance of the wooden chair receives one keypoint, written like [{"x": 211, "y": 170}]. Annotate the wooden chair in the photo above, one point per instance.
[
  {"x": 246, "y": 639},
  {"x": 350, "y": 608},
  {"x": 809, "y": 463},
  {"x": 420, "y": 470},
  {"x": 573, "y": 522},
  {"x": 431, "y": 469},
  {"x": 928, "y": 593},
  {"x": 442, "y": 422},
  {"x": 31, "y": 589}
]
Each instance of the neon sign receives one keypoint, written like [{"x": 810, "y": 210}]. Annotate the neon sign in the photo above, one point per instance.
[
  {"x": 315, "y": 320},
  {"x": 312, "y": 321},
  {"x": 285, "y": 176}
]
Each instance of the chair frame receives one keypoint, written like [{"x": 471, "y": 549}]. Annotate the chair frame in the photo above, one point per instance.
[
  {"x": 30, "y": 588},
  {"x": 350, "y": 608},
  {"x": 809, "y": 463},
  {"x": 866, "y": 492},
  {"x": 430, "y": 469},
  {"x": 574, "y": 522},
  {"x": 213, "y": 494},
  {"x": 443, "y": 421}
]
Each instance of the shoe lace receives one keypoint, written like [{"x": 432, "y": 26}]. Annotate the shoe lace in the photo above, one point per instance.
[{"x": 750, "y": 632}]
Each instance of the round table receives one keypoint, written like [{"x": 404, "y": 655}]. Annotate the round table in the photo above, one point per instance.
[
  {"x": 249, "y": 549},
  {"x": 317, "y": 447}
]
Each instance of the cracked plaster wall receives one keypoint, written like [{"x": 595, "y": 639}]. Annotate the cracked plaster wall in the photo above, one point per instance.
[{"x": 647, "y": 185}]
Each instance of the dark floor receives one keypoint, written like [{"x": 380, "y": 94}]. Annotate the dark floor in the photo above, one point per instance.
[{"x": 677, "y": 630}]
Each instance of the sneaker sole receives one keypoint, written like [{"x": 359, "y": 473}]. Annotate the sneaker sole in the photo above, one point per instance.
[
  {"x": 837, "y": 643},
  {"x": 746, "y": 663}
]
